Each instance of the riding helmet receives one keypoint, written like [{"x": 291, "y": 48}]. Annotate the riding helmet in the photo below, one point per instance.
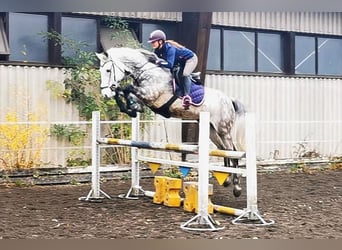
[{"x": 157, "y": 35}]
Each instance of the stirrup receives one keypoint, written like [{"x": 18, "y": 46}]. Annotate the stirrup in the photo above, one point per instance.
[{"x": 186, "y": 100}]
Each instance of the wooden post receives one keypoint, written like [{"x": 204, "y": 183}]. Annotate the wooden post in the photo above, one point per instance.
[{"x": 194, "y": 34}]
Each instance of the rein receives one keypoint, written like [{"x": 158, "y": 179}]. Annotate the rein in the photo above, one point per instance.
[{"x": 126, "y": 73}]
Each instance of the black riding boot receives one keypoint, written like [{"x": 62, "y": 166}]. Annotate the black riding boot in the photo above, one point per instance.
[{"x": 186, "y": 100}]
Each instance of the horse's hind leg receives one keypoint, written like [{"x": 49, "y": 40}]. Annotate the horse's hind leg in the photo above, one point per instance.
[
  {"x": 225, "y": 143},
  {"x": 234, "y": 178},
  {"x": 226, "y": 161}
]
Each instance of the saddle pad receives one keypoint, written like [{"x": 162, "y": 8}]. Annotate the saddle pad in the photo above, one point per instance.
[{"x": 196, "y": 93}]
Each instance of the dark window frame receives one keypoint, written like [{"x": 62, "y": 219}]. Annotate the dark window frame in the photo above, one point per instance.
[
  {"x": 283, "y": 36},
  {"x": 54, "y": 24},
  {"x": 316, "y": 37},
  {"x": 8, "y": 28},
  {"x": 4, "y": 49},
  {"x": 287, "y": 39}
]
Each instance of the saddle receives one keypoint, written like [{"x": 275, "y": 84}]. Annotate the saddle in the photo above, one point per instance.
[{"x": 196, "y": 89}]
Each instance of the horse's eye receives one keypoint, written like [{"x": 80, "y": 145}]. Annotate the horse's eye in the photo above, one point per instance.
[{"x": 108, "y": 70}]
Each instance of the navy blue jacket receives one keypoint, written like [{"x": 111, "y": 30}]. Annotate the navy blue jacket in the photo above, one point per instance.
[{"x": 173, "y": 55}]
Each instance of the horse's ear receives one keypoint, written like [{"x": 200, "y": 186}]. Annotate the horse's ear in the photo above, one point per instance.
[{"x": 102, "y": 56}]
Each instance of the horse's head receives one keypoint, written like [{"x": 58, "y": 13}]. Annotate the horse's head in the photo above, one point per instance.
[{"x": 112, "y": 72}]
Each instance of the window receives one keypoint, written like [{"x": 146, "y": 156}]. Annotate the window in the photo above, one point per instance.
[
  {"x": 318, "y": 55},
  {"x": 329, "y": 56},
  {"x": 3, "y": 39},
  {"x": 214, "y": 60},
  {"x": 239, "y": 49},
  {"x": 25, "y": 42},
  {"x": 305, "y": 55},
  {"x": 147, "y": 28},
  {"x": 83, "y": 31},
  {"x": 270, "y": 57},
  {"x": 245, "y": 51}
]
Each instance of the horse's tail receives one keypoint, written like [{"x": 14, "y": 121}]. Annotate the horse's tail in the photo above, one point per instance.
[{"x": 238, "y": 129}]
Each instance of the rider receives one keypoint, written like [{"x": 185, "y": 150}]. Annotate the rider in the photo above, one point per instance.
[{"x": 175, "y": 54}]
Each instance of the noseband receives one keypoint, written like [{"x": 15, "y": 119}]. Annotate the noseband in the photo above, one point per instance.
[{"x": 111, "y": 71}]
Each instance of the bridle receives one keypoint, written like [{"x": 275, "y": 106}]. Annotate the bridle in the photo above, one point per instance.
[
  {"x": 114, "y": 66},
  {"x": 136, "y": 72},
  {"x": 112, "y": 71}
]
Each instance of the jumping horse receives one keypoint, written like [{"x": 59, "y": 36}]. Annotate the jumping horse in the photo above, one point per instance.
[{"x": 154, "y": 87}]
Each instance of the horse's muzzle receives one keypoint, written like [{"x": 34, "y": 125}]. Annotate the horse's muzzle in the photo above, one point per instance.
[
  {"x": 113, "y": 86},
  {"x": 108, "y": 93}
]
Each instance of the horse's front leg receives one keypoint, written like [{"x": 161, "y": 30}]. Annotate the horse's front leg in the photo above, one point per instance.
[
  {"x": 133, "y": 102},
  {"x": 123, "y": 104}
]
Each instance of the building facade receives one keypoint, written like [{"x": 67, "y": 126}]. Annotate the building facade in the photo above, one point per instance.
[{"x": 286, "y": 67}]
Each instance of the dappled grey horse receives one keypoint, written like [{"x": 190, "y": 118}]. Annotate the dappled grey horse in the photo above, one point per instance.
[{"x": 153, "y": 87}]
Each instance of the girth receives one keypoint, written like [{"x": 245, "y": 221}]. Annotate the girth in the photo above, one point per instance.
[{"x": 164, "y": 110}]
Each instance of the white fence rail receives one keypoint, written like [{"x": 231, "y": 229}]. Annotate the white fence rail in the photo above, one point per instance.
[
  {"x": 293, "y": 115},
  {"x": 55, "y": 152}
]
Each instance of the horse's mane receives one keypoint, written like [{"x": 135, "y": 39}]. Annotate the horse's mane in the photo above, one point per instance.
[
  {"x": 145, "y": 55},
  {"x": 150, "y": 56}
]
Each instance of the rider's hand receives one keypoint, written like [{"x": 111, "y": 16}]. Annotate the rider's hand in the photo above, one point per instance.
[{"x": 161, "y": 62}]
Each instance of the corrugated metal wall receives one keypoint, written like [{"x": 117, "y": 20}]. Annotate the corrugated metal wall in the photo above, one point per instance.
[
  {"x": 312, "y": 22},
  {"x": 168, "y": 16},
  {"x": 23, "y": 90},
  {"x": 290, "y": 111}
]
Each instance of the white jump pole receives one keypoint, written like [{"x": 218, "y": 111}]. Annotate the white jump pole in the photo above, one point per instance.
[
  {"x": 95, "y": 192},
  {"x": 202, "y": 221},
  {"x": 135, "y": 189},
  {"x": 251, "y": 213}
]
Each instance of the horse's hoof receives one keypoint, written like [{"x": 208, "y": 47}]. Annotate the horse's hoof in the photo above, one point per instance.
[
  {"x": 227, "y": 183},
  {"x": 236, "y": 181},
  {"x": 237, "y": 191}
]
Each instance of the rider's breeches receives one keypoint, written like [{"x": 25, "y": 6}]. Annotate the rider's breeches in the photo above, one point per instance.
[{"x": 189, "y": 67}]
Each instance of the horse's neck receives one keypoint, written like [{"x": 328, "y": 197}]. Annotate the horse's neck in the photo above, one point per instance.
[
  {"x": 153, "y": 85},
  {"x": 151, "y": 81}
]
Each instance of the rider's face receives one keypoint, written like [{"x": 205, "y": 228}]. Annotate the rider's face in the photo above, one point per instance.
[{"x": 156, "y": 44}]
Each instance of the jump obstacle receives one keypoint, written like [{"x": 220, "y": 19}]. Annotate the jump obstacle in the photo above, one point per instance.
[{"x": 202, "y": 221}]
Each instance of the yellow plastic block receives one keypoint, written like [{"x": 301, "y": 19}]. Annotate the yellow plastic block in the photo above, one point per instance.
[
  {"x": 172, "y": 196},
  {"x": 191, "y": 197},
  {"x": 160, "y": 189}
]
